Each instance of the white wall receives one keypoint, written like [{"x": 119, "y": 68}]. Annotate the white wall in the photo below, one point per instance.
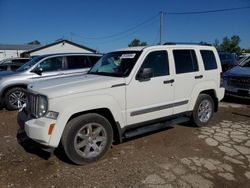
[
  {"x": 4, "y": 54},
  {"x": 60, "y": 48}
]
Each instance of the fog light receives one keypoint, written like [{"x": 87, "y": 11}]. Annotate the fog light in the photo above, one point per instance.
[{"x": 52, "y": 115}]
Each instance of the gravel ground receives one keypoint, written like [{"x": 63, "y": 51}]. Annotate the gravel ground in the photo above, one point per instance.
[{"x": 181, "y": 156}]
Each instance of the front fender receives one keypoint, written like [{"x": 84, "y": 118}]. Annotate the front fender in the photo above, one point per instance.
[{"x": 73, "y": 105}]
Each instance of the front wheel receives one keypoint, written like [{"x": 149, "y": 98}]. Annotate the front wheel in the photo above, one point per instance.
[
  {"x": 15, "y": 98},
  {"x": 87, "y": 138},
  {"x": 203, "y": 110}
]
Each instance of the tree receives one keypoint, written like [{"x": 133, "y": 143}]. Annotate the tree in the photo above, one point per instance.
[
  {"x": 216, "y": 44},
  {"x": 137, "y": 42},
  {"x": 230, "y": 44},
  {"x": 35, "y": 42}
]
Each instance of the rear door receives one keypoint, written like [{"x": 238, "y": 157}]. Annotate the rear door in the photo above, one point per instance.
[{"x": 187, "y": 75}]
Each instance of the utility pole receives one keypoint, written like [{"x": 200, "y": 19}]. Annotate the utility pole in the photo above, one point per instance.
[{"x": 161, "y": 26}]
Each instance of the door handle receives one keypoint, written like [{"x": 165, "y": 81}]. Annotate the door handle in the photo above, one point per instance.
[
  {"x": 198, "y": 77},
  {"x": 168, "y": 81}
]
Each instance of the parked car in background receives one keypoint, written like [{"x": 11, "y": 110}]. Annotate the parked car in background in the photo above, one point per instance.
[
  {"x": 228, "y": 60},
  {"x": 237, "y": 80},
  {"x": 13, "y": 84},
  {"x": 12, "y": 63}
]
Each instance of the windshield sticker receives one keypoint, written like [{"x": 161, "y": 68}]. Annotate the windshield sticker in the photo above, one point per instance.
[{"x": 128, "y": 56}]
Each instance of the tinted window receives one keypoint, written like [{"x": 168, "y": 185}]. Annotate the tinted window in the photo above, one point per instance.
[
  {"x": 158, "y": 61},
  {"x": 208, "y": 59},
  {"x": 94, "y": 59},
  {"x": 51, "y": 64},
  {"x": 77, "y": 62},
  {"x": 185, "y": 61},
  {"x": 20, "y": 61}
]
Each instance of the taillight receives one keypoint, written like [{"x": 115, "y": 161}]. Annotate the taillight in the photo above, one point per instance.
[{"x": 221, "y": 80}]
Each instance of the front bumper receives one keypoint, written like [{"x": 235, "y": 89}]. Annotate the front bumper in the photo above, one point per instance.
[
  {"x": 237, "y": 92},
  {"x": 35, "y": 129}
]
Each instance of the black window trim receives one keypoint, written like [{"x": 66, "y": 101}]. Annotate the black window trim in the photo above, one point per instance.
[
  {"x": 216, "y": 63},
  {"x": 189, "y": 49},
  {"x": 146, "y": 55}
]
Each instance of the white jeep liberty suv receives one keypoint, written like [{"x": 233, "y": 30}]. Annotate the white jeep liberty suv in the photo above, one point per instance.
[{"x": 126, "y": 93}]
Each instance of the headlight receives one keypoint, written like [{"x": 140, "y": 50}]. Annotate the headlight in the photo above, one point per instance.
[{"x": 42, "y": 106}]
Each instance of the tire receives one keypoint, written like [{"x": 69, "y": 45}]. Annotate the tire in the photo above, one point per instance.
[
  {"x": 87, "y": 138},
  {"x": 15, "y": 98},
  {"x": 203, "y": 110}
]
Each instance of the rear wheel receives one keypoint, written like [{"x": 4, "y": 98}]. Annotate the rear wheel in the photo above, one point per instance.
[
  {"x": 203, "y": 110},
  {"x": 15, "y": 98},
  {"x": 87, "y": 138}
]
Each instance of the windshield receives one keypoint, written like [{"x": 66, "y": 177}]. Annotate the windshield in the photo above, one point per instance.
[
  {"x": 118, "y": 64},
  {"x": 245, "y": 62},
  {"x": 30, "y": 63}
]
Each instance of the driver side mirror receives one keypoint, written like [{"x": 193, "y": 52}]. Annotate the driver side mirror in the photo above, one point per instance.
[
  {"x": 38, "y": 71},
  {"x": 145, "y": 74}
]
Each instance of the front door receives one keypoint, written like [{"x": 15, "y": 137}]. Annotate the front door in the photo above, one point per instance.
[
  {"x": 151, "y": 99},
  {"x": 50, "y": 67}
]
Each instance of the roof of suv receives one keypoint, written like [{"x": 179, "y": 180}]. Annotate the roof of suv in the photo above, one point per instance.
[{"x": 188, "y": 45}]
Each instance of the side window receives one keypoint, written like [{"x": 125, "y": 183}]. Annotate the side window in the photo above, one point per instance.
[
  {"x": 158, "y": 61},
  {"x": 94, "y": 59},
  {"x": 208, "y": 59},
  {"x": 51, "y": 64},
  {"x": 78, "y": 62},
  {"x": 185, "y": 61}
]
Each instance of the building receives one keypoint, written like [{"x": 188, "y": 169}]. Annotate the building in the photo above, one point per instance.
[
  {"x": 62, "y": 46},
  {"x": 14, "y": 50}
]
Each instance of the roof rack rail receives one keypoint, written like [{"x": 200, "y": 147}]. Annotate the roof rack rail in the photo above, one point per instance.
[{"x": 191, "y": 43}]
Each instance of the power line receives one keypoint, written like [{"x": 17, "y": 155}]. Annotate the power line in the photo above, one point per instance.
[
  {"x": 117, "y": 38},
  {"x": 208, "y": 11},
  {"x": 120, "y": 33}
]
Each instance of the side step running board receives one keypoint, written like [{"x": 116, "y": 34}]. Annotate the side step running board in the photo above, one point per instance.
[{"x": 154, "y": 127}]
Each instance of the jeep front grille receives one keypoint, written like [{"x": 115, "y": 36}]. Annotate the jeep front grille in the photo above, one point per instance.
[
  {"x": 239, "y": 82},
  {"x": 32, "y": 104}
]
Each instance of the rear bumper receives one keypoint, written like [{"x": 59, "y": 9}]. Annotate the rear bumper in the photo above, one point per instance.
[{"x": 221, "y": 93}]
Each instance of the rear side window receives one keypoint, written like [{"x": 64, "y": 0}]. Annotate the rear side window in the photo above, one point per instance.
[
  {"x": 208, "y": 59},
  {"x": 185, "y": 61},
  {"x": 77, "y": 62},
  {"x": 158, "y": 61}
]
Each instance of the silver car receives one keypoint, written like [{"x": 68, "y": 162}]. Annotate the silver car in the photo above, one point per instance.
[
  {"x": 237, "y": 80},
  {"x": 13, "y": 84}
]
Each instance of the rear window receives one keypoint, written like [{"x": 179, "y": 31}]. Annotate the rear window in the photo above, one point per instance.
[
  {"x": 94, "y": 59},
  {"x": 185, "y": 61},
  {"x": 208, "y": 59},
  {"x": 77, "y": 62},
  {"x": 21, "y": 61}
]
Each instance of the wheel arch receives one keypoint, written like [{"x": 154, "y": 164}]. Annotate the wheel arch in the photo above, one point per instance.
[
  {"x": 6, "y": 89},
  {"x": 105, "y": 112},
  {"x": 212, "y": 93}
]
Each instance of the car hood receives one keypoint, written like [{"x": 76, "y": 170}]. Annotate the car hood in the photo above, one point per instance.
[
  {"x": 239, "y": 71},
  {"x": 58, "y": 87}
]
